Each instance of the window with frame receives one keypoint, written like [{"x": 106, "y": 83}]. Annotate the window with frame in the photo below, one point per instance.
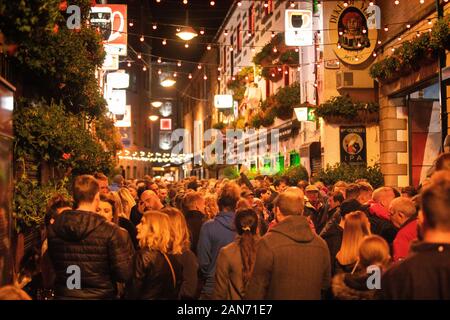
[
  {"x": 251, "y": 19},
  {"x": 239, "y": 38},
  {"x": 269, "y": 9}
]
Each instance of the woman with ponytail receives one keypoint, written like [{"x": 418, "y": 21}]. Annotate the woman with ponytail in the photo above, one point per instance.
[{"x": 236, "y": 261}]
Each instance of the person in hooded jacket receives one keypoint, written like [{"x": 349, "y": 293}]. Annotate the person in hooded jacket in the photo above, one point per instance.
[
  {"x": 215, "y": 234},
  {"x": 101, "y": 250},
  {"x": 373, "y": 251},
  {"x": 292, "y": 262}
]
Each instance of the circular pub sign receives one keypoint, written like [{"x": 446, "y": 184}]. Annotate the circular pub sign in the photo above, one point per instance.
[{"x": 354, "y": 38}]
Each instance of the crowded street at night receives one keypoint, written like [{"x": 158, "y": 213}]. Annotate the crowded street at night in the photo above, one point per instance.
[{"x": 224, "y": 155}]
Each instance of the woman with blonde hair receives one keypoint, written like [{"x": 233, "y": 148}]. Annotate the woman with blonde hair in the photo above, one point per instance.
[
  {"x": 356, "y": 227},
  {"x": 211, "y": 207},
  {"x": 373, "y": 253},
  {"x": 127, "y": 200},
  {"x": 157, "y": 274},
  {"x": 181, "y": 249}
]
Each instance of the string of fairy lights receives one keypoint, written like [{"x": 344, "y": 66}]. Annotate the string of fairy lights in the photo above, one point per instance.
[{"x": 154, "y": 157}]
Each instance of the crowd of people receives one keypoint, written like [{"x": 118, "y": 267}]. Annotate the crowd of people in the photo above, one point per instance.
[{"x": 241, "y": 239}]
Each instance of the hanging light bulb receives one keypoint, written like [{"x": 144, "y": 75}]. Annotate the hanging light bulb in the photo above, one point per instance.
[
  {"x": 158, "y": 1},
  {"x": 219, "y": 79},
  {"x": 364, "y": 31},
  {"x": 273, "y": 75},
  {"x": 339, "y": 46},
  {"x": 341, "y": 33},
  {"x": 399, "y": 38},
  {"x": 408, "y": 26},
  {"x": 129, "y": 64},
  {"x": 202, "y": 31},
  {"x": 186, "y": 45},
  {"x": 266, "y": 4},
  {"x": 174, "y": 74},
  {"x": 233, "y": 78},
  {"x": 386, "y": 28},
  {"x": 397, "y": 2},
  {"x": 253, "y": 49},
  {"x": 179, "y": 64},
  {"x": 296, "y": 50},
  {"x": 185, "y": 1},
  {"x": 144, "y": 68},
  {"x": 359, "y": 45},
  {"x": 279, "y": 69},
  {"x": 199, "y": 67},
  {"x": 225, "y": 32},
  {"x": 154, "y": 26},
  {"x": 379, "y": 41},
  {"x": 418, "y": 34},
  {"x": 422, "y": 1},
  {"x": 231, "y": 48},
  {"x": 273, "y": 34},
  {"x": 239, "y": 3},
  {"x": 346, "y": 4},
  {"x": 371, "y": 3},
  {"x": 139, "y": 56},
  {"x": 142, "y": 39},
  {"x": 212, "y": 3},
  {"x": 292, "y": 4},
  {"x": 275, "y": 50},
  {"x": 164, "y": 42},
  {"x": 159, "y": 71},
  {"x": 429, "y": 21},
  {"x": 190, "y": 76},
  {"x": 159, "y": 60},
  {"x": 286, "y": 72},
  {"x": 205, "y": 77},
  {"x": 131, "y": 24},
  {"x": 374, "y": 54},
  {"x": 208, "y": 47}
]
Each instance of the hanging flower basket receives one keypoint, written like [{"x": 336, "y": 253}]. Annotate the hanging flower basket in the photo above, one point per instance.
[{"x": 362, "y": 117}]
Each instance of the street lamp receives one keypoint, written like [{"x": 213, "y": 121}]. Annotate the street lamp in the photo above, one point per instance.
[
  {"x": 168, "y": 82},
  {"x": 187, "y": 33},
  {"x": 156, "y": 104}
]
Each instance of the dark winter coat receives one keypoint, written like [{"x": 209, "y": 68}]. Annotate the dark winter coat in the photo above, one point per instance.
[
  {"x": 347, "y": 286},
  {"x": 194, "y": 221},
  {"x": 229, "y": 278},
  {"x": 132, "y": 231},
  {"x": 214, "y": 235},
  {"x": 189, "y": 287},
  {"x": 333, "y": 237},
  {"x": 423, "y": 275},
  {"x": 292, "y": 263},
  {"x": 152, "y": 277},
  {"x": 102, "y": 250},
  {"x": 380, "y": 226},
  {"x": 135, "y": 215}
]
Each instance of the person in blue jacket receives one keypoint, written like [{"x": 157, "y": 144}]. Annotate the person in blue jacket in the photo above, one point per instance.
[{"x": 215, "y": 234}]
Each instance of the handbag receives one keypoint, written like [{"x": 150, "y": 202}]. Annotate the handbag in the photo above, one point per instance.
[{"x": 174, "y": 278}]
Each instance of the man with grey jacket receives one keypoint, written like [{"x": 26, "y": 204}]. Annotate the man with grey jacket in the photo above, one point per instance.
[{"x": 292, "y": 262}]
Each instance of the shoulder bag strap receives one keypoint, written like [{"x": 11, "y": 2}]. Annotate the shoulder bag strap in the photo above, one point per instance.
[{"x": 174, "y": 278}]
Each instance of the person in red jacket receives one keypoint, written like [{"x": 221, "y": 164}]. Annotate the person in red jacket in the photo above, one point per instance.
[{"x": 403, "y": 215}]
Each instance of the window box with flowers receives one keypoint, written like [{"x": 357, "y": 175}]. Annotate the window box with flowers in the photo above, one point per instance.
[{"x": 342, "y": 110}]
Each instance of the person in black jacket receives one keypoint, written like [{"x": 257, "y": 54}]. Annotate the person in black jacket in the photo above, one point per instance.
[
  {"x": 85, "y": 241},
  {"x": 181, "y": 243},
  {"x": 194, "y": 212},
  {"x": 157, "y": 274},
  {"x": 147, "y": 201}
]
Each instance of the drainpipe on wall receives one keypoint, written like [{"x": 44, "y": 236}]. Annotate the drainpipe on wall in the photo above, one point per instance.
[{"x": 442, "y": 86}]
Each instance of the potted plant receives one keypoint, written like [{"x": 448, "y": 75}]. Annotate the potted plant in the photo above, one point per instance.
[
  {"x": 289, "y": 57},
  {"x": 440, "y": 34}
]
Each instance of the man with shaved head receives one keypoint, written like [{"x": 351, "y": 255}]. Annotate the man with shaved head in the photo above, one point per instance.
[
  {"x": 292, "y": 262},
  {"x": 403, "y": 214},
  {"x": 147, "y": 201}
]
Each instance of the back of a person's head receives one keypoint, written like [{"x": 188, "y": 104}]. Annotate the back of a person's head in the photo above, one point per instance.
[
  {"x": 356, "y": 227},
  {"x": 373, "y": 250},
  {"x": 118, "y": 179},
  {"x": 380, "y": 193},
  {"x": 410, "y": 191},
  {"x": 340, "y": 184},
  {"x": 435, "y": 202},
  {"x": 229, "y": 195},
  {"x": 85, "y": 188},
  {"x": 58, "y": 201},
  {"x": 404, "y": 205},
  {"x": 193, "y": 185},
  {"x": 348, "y": 206},
  {"x": 290, "y": 202},
  {"x": 365, "y": 187},
  {"x": 10, "y": 292},
  {"x": 302, "y": 184},
  {"x": 443, "y": 162},
  {"x": 191, "y": 199},
  {"x": 141, "y": 190},
  {"x": 352, "y": 191},
  {"x": 246, "y": 220},
  {"x": 180, "y": 240},
  {"x": 100, "y": 176},
  {"x": 337, "y": 196}
]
